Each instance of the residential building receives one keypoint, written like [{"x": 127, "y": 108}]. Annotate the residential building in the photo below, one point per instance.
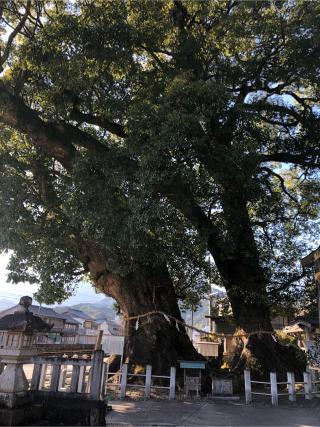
[{"x": 65, "y": 329}]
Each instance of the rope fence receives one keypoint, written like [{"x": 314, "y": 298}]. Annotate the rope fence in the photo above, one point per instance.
[{"x": 178, "y": 322}]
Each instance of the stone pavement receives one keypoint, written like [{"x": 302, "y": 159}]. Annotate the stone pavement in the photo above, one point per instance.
[{"x": 211, "y": 413}]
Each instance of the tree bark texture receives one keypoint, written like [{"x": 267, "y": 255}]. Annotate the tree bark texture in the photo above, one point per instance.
[
  {"x": 245, "y": 284},
  {"x": 153, "y": 340}
]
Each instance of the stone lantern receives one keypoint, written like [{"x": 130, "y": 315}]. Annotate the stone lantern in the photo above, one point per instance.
[{"x": 18, "y": 332}]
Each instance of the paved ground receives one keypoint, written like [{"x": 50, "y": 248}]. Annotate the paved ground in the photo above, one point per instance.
[{"x": 208, "y": 413}]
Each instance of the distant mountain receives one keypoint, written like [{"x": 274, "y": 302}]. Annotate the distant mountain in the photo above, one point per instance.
[
  {"x": 104, "y": 308},
  {"x": 199, "y": 319},
  {"x": 6, "y": 303},
  {"x": 199, "y": 316},
  {"x": 98, "y": 310}
]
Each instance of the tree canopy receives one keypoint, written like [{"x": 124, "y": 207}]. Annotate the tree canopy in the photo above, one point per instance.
[{"x": 158, "y": 133}]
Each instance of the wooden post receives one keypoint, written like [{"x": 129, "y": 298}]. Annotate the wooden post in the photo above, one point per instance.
[
  {"x": 98, "y": 345},
  {"x": 247, "y": 386},
  {"x": 96, "y": 374},
  {"x": 307, "y": 385},
  {"x": 74, "y": 378},
  {"x": 147, "y": 388},
  {"x": 291, "y": 386},
  {"x": 81, "y": 378},
  {"x": 172, "y": 390},
  {"x": 274, "y": 388},
  {"x": 103, "y": 380},
  {"x": 36, "y": 374},
  {"x": 55, "y": 375},
  {"x": 123, "y": 386}
]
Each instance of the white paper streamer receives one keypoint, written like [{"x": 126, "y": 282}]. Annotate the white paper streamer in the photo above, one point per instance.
[
  {"x": 166, "y": 317},
  {"x": 177, "y": 326},
  {"x": 137, "y": 324}
]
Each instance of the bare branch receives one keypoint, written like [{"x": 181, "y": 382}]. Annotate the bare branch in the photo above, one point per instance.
[{"x": 106, "y": 124}]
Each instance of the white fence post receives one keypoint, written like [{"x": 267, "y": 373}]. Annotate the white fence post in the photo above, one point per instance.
[
  {"x": 147, "y": 388},
  {"x": 291, "y": 386},
  {"x": 307, "y": 385},
  {"x": 172, "y": 390},
  {"x": 247, "y": 386},
  {"x": 123, "y": 387},
  {"x": 274, "y": 388}
]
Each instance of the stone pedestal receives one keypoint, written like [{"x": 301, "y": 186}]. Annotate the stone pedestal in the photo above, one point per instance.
[
  {"x": 13, "y": 379},
  {"x": 16, "y": 402}
]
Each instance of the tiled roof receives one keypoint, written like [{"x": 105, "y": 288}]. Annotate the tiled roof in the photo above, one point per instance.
[
  {"x": 38, "y": 310},
  {"x": 23, "y": 321}
]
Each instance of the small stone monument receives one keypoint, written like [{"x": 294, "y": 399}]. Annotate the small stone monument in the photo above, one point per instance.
[
  {"x": 17, "y": 332},
  {"x": 222, "y": 386}
]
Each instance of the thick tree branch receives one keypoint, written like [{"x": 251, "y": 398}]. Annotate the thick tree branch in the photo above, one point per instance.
[
  {"x": 55, "y": 139},
  {"x": 106, "y": 124},
  {"x": 310, "y": 159},
  {"x": 274, "y": 108},
  {"x": 183, "y": 200}
]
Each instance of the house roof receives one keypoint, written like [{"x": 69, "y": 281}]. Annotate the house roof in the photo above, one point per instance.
[
  {"x": 70, "y": 319},
  {"x": 304, "y": 320},
  {"x": 308, "y": 260},
  {"x": 299, "y": 324},
  {"x": 23, "y": 322},
  {"x": 105, "y": 319},
  {"x": 38, "y": 310}
]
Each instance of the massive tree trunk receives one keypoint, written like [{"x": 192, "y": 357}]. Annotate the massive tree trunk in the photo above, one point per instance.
[
  {"x": 153, "y": 340},
  {"x": 156, "y": 341},
  {"x": 245, "y": 283}
]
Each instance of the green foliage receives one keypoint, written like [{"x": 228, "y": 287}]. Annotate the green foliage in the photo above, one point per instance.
[
  {"x": 203, "y": 91},
  {"x": 285, "y": 338},
  {"x": 313, "y": 354}
]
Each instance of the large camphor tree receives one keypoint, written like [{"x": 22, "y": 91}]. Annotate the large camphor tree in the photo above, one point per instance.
[{"x": 136, "y": 136}]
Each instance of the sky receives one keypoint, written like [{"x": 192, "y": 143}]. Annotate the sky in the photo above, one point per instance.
[{"x": 84, "y": 294}]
